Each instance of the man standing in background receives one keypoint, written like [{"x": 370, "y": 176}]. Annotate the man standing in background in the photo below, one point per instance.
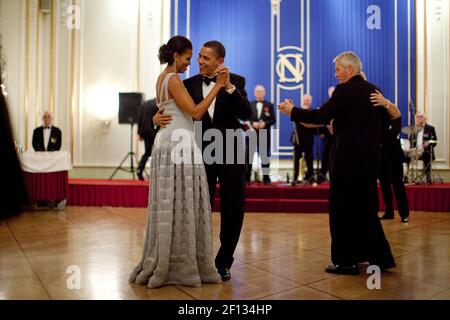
[
  {"x": 263, "y": 117},
  {"x": 303, "y": 142},
  {"x": 47, "y": 137},
  {"x": 147, "y": 132}
]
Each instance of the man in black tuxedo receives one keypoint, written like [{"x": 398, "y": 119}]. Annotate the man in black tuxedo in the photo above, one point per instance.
[
  {"x": 146, "y": 132},
  {"x": 226, "y": 111},
  {"x": 356, "y": 232},
  {"x": 263, "y": 117},
  {"x": 47, "y": 137}
]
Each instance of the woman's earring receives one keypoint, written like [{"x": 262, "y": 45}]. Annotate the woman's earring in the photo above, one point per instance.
[{"x": 175, "y": 67}]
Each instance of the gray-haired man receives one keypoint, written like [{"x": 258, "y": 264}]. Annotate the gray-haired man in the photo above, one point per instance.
[{"x": 356, "y": 232}]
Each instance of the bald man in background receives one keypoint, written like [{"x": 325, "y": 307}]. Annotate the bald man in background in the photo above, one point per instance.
[{"x": 47, "y": 137}]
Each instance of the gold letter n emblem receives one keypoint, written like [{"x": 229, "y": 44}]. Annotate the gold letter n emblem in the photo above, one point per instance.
[{"x": 290, "y": 68}]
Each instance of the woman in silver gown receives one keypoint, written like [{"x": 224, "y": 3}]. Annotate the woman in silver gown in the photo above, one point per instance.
[{"x": 178, "y": 245}]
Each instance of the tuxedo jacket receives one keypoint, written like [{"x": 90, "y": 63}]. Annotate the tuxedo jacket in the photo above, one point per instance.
[
  {"x": 357, "y": 126},
  {"x": 267, "y": 116},
  {"x": 229, "y": 108},
  {"x": 429, "y": 133},
  {"x": 54, "y": 144},
  {"x": 267, "y": 113}
]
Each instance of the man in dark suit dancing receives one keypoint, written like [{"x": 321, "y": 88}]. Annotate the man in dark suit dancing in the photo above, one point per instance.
[
  {"x": 263, "y": 117},
  {"x": 356, "y": 232},
  {"x": 147, "y": 132},
  {"x": 230, "y": 106},
  {"x": 47, "y": 137}
]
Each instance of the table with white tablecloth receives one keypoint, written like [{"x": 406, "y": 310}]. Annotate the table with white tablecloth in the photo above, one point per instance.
[{"x": 46, "y": 174}]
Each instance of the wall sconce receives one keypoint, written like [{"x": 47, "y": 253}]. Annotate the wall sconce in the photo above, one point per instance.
[{"x": 106, "y": 125}]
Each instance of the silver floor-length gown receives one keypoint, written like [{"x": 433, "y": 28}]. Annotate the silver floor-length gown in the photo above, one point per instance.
[{"x": 178, "y": 245}]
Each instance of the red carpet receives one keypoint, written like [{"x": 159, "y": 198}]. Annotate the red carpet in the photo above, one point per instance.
[{"x": 260, "y": 198}]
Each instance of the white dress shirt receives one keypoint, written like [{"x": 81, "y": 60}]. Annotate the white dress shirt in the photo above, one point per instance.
[
  {"x": 420, "y": 141},
  {"x": 47, "y": 132},
  {"x": 259, "y": 107},
  {"x": 206, "y": 90}
]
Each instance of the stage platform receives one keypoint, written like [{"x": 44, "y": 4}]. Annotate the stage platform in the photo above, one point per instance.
[{"x": 276, "y": 198}]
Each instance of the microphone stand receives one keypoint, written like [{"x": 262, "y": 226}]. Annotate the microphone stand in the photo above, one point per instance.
[{"x": 412, "y": 137}]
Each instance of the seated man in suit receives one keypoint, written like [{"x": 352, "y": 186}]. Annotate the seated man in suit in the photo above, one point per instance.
[
  {"x": 47, "y": 137},
  {"x": 426, "y": 134}
]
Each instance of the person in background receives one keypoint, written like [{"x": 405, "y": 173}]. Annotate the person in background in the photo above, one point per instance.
[
  {"x": 146, "y": 132},
  {"x": 326, "y": 133},
  {"x": 391, "y": 166},
  {"x": 263, "y": 117},
  {"x": 47, "y": 137},
  {"x": 426, "y": 134},
  {"x": 303, "y": 141}
]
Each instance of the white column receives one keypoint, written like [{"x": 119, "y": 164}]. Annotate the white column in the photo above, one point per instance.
[{"x": 433, "y": 71}]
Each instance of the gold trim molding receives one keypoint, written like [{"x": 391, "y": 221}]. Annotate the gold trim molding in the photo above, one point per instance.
[
  {"x": 72, "y": 88},
  {"x": 52, "y": 58},
  {"x": 27, "y": 70},
  {"x": 37, "y": 97}
]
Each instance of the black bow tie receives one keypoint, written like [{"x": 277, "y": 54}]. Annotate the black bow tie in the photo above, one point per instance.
[
  {"x": 47, "y": 127},
  {"x": 208, "y": 80}
]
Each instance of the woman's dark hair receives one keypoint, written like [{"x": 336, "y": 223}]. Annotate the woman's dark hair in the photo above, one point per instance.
[{"x": 178, "y": 44}]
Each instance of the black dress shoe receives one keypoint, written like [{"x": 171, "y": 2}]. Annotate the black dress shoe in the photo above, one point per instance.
[
  {"x": 140, "y": 176},
  {"x": 387, "y": 217},
  {"x": 225, "y": 274},
  {"x": 405, "y": 219},
  {"x": 349, "y": 270}
]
